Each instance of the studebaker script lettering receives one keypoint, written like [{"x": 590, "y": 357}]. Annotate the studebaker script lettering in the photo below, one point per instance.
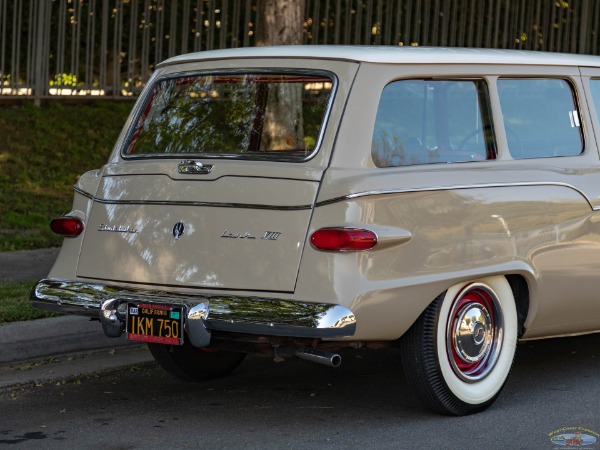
[{"x": 117, "y": 229}]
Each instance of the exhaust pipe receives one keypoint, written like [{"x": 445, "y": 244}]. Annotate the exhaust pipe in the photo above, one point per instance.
[{"x": 328, "y": 359}]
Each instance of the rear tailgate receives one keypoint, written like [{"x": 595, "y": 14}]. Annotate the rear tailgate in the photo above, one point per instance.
[{"x": 229, "y": 231}]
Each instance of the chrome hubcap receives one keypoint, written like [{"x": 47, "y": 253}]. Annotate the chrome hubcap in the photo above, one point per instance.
[{"x": 474, "y": 332}]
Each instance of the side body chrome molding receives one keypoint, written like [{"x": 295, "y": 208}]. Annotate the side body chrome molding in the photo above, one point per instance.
[{"x": 336, "y": 199}]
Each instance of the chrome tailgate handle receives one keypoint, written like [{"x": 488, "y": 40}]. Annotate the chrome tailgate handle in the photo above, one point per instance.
[{"x": 194, "y": 167}]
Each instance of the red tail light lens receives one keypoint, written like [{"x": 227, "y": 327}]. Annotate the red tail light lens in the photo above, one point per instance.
[
  {"x": 67, "y": 226},
  {"x": 343, "y": 239}
]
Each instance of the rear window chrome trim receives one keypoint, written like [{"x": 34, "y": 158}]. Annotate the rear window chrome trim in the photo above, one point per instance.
[{"x": 148, "y": 94}]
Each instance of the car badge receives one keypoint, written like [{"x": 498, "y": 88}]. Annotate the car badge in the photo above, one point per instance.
[
  {"x": 178, "y": 230},
  {"x": 117, "y": 228},
  {"x": 191, "y": 167}
]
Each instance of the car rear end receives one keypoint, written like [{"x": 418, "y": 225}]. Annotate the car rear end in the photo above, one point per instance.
[{"x": 195, "y": 228}]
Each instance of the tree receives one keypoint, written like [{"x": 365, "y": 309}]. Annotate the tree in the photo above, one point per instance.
[{"x": 281, "y": 22}]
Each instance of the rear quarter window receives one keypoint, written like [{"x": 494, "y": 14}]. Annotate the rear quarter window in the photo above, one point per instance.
[{"x": 433, "y": 121}]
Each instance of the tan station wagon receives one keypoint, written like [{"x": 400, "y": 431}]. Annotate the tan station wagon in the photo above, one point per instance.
[{"x": 295, "y": 201}]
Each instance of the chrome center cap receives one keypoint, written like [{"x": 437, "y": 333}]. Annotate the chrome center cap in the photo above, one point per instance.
[
  {"x": 473, "y": 333},
  {"x": 478, "y": 333}
]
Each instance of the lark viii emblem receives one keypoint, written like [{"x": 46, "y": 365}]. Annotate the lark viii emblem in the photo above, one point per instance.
[
  {"x": 267, "y": 235},
  {"x": 246, "y": 235},
  {"x": 271, "y": 235},
  {"x": 178, "y": 230}
]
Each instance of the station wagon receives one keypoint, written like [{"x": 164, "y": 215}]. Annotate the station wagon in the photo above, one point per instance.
[{"x": 297, "y": 201}]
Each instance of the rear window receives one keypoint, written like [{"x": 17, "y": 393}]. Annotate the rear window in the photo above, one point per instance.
[
  {"x": 433, "y": 121},
  {"x": 278, "y": 116}
]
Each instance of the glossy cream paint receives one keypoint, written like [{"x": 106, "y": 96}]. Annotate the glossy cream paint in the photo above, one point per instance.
[{"x": 440, "y": 224}]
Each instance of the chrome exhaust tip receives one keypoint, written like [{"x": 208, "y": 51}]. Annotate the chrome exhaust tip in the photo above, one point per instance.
[{"x": 316, "y": 356}]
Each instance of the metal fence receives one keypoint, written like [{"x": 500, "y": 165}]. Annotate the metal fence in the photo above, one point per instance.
[{"x": 108, "y": 48}]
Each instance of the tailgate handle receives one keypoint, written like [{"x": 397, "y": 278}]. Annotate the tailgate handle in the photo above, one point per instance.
[{"x": 194, "y": 167}]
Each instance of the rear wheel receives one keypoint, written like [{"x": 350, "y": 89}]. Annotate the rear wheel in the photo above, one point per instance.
[
  {"x": 458, "y": 354},
  {"x": 189, "y": 363}
]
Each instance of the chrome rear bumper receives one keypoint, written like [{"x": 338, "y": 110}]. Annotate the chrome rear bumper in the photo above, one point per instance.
[{"x": 204, "y": 313}]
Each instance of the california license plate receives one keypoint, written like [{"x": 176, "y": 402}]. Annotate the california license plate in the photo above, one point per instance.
[{"x": 155, "y": 322}]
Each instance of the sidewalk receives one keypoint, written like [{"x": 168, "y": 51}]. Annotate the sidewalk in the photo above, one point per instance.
[
  {"x": 60, "y": 348},
  {"x": 26, "y": 265}
]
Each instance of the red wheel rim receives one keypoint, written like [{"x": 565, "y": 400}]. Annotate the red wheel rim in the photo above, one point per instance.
[{"x": 474, "y": 332}]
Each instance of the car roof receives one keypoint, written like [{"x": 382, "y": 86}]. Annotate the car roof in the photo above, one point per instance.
[{"x": 393, "y": 55}]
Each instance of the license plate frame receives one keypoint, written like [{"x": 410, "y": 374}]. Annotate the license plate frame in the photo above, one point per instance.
[{"x": 156, "y": 323}]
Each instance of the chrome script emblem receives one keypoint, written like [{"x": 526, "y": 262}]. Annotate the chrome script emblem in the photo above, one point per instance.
[
  {"x": 178, "y": 230},
  {"x": 117, "y": 229},
  {"x": 267, "y": 236},
  {"x": 227, "y": 234}
]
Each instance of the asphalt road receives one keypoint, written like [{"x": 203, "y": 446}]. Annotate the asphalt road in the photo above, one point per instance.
[{"x": 365, "y": 403}]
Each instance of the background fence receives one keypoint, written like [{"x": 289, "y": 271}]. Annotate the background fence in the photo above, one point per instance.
[{"x": 108, "y": 48}]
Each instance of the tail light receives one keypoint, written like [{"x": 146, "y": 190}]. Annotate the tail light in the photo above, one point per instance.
[
  {"x": 67, "y": 226},
  {"x": 343, "y": 239}
]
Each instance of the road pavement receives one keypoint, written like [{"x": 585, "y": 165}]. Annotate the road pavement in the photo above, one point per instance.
[
  {"x": 54, "y": 399},
  {"x": 365, "y": 403}
]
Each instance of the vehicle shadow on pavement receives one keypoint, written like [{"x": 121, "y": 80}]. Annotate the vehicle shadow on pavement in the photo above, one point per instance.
[{"x": 296, "y": 404}]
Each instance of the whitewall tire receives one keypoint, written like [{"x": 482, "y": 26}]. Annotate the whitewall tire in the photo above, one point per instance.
[{"x": 459, "y": 353}]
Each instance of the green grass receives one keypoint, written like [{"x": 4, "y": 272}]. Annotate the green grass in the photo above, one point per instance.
[
  {"x": 43, "y": 151},
  {"x": 14, "y": 302}
]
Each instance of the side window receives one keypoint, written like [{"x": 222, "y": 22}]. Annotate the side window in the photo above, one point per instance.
[
  {"x": 540, "y": 118},
  {"x": 433, "y": 121},
  {"x": 595, "y": 89}
]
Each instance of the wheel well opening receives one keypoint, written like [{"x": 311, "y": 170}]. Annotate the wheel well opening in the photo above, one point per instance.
[{"x": 520, "y": 289}]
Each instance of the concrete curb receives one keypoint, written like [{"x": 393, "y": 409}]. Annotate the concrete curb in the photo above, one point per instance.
[
  {"x": 70, "y": 368},
  {"x": 62, "y": 349},
  {"x": 22, "y": 341}
]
